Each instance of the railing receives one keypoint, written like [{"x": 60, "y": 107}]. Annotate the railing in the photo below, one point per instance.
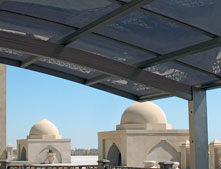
[
  {"x": 53, "y": 166},
  {"x": 124, "y": 167},
  {"x": 43, "y": 166},
  {"x": 102, "y": 164}
]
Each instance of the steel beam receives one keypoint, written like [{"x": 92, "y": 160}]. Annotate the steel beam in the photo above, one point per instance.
[
  {"x": 128, "y": 44},
  {"x": 82, "y": 81},
  {"x": 29, "y": 61},
  {"x": 198, "y": 130},
  {"x": 8, "y": 61},
  {"x": 76, "y": 28},
  {"x": 33, "y": 59},
  {"x": 210, "y": 85},
  {"x": 104, "y": 77},
  {"x": 198, "y": 69},
  {"x": 170, "y": 19},
  {"x": 108, "y": 66},
  {"x": 97, "y": 79},
  {"x": 70, "y": 77},
  {"x": 101, "y": 78},
  {"x": 104, "y": 20},
  {"x": 153, "y": 97},
  {"x": 203, "y": 46},
  {"x": 116, "y": 91}
]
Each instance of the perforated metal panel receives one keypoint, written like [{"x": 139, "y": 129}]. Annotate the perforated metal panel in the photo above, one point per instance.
[{"x": 139, "y": 49}]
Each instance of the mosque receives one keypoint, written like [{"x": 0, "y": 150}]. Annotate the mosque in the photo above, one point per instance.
[
  {"x": 145, "y": 138},
  {"x": 142, "y": 139},
  {"x": 44, "y": 144},
  {"x": 142, "y": 136}
]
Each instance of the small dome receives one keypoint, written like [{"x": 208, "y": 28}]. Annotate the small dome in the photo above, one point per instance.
[
  {"x": 143, "y": 113},
  {"x": 44, "y": 128}
]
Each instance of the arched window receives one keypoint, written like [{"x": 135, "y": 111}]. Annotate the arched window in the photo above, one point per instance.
[
  {"x": 114, "y": 155},
  {"x": 23, "y": 154}
]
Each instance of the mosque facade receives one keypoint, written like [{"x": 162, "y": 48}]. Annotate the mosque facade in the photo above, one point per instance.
[
  {"x": 43, "y": 141},
  {"x": 142, "y": 136},
  {"x": 145, "y": 138}
]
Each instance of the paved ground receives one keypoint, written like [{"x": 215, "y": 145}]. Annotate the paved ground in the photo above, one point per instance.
[{"x": 84, "y": 160}]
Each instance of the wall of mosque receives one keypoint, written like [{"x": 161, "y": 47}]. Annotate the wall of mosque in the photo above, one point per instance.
[
  {"x": 22, "y": 148},
  {"x": 37, "y": 150},
  {"x": 137, "y": 146},
  {"x": 155, "y": 146},
  {"x": 106, "y": 140}
]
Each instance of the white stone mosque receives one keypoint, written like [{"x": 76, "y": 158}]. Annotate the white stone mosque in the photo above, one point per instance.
[
  {"x": 143, "y": 135},
  {"x": 43, "y": 142},
  {"x": 142, "y": 139}
]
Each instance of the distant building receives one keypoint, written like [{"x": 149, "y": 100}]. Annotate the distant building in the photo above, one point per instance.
[{"x": 84, "y": 152}]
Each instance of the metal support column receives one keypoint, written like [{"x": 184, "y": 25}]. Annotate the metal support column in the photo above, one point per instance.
[
  {"x": 198, "y": 130},
  {"x": 2, "y": 111}
]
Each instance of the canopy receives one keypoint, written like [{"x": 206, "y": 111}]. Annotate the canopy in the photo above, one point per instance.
[{"x": 138, "y": 49}]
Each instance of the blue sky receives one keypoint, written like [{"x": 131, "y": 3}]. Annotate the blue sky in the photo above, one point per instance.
[{"x": 79, "y": 112}]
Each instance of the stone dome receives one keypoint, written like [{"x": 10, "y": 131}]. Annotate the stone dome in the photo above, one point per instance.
[
  {"x": 44, "y": 129},
  {"x": 143, "y": 113}
]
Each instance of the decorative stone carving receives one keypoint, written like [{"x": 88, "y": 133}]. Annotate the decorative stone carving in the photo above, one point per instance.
[{"x": 51, "y": 157}]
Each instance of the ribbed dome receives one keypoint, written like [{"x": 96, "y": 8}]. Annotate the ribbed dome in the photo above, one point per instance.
[
  {"x": 143, "y": 113},
  {"x": 44, "y": 128}
]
